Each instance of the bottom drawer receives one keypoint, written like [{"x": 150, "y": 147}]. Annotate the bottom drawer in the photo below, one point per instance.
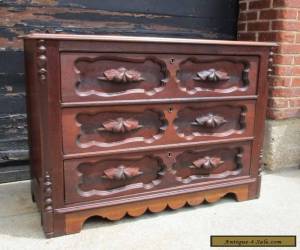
[{"x": 136, "y": 174}]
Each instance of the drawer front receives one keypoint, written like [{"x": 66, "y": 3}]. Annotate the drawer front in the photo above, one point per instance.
[
  {"x": 96, "y": 129},
  {"x": 116, "y": 76},
  {"x": 130, "y": 175}
]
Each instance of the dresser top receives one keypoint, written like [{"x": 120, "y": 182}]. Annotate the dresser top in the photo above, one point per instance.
[{"x": 142, "y": 39}]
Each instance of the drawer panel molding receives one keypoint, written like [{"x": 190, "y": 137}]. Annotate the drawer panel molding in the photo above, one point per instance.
[
  {"x": 109, "y": 129},
  {"x": 111, "y": 76},
  {"x": 218, "y": 120},
  {"x": 106, "y": 77},
  {"x": 110, "y": 177},
  {"x": 217, "y": 163},
  {"x": 118, "y": 127},
  {"x": 218, "y": 75}
]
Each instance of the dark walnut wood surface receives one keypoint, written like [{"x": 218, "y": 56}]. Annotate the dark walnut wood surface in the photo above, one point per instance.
[
  {"x": 121, "y": 76},
  {"x": 122, "y": 125}
]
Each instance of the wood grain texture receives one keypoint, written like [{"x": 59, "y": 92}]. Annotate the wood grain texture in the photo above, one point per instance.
[
  {"x": 161, "y": 124},
  {"x": 161, "y": 172},
  {"x": 13, "y": 125},
  {"x": 177, "y": 72},
  {"x": 141, "y": 18},
  {"x": 118, "y": 17}
]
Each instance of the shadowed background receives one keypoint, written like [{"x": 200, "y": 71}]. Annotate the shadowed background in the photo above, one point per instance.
[{"x": 210, "y": 19}]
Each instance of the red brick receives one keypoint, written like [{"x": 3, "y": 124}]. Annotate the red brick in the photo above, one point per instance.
[
  {"x": 296, "y": 82},
  {"x": 242, "y": 16},
  {"x": 248, "y": 16},
  {"x": 283, "y": 59},
  {"x": 287, "y": 3},
  {"x": 278, "y": 103},
  {"x": 297, "y": 60},
  {"x": 283, "y": 114},
  {"x": 278, "y": 81},
  {"x": 285, "y": 92},
  {"x": 270, "y": 114},
  {"x": 268, "y": 14},
  {"x": 279, "y": 3},
  {"x": 242, "y": 27},
  {"x": 296, "y": 70},
  {"x": 247, "y": 36},
  {"x": 288, "y": 49},
  {"x": 251, "y": 15},
  {"x": 286, "y": 25},
  {"x": 277, "y": 36},
  {"x": 287, "y": 14},
  {"x": 280, "y": 24},
  {"x": 243, "y": 6},
  {"x": 295, "y": 102},
  {"x": 278, "y": 14},
  {"x": 260, "y": 4},
  {"x": 283, "y": 70},
  {"x": 259, "y": 26},
  {"x": 287, "y": 37},
  {"x": 267, "y": 36},
  {"x": 291, "y": 113}
]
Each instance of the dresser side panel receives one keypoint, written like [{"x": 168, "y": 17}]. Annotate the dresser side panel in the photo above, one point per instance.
[
  {"x": 261, "y": 108},
  {"x": 33, "y": 119},
  {"x": 53, "y": 133}
]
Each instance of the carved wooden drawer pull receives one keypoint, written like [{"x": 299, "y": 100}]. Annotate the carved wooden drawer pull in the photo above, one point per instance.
[
  {"x": 120, "y": 125},
  {"x": 211, "y": 75},
  {"x": 121, "y": 173},
  {"x": 121, "y": 75},
  {"x": 207, "y": 162},
  {"x": 209, "y": 121}
]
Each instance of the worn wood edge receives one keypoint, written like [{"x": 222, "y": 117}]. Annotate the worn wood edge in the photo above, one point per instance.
[
  {"x": 67, "y": 104},
  {"x": 157, "y": 147},
  {"x": 74, "y": 221},
  {"x": 75, "y": 207},
  {"x": 144, "y": 39}
]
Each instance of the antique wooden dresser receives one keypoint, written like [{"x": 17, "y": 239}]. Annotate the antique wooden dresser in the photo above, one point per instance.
[{"x": 124, "y": 125}]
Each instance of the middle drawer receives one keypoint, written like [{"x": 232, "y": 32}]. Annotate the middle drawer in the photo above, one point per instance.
[{"x": 110, "y": 128}]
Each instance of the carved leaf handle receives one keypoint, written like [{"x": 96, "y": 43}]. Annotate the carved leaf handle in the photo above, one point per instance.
[
  {"x": 120, "y": 125},
  {"x": 207, "y": 162},
  {"x": 121, "y": 173},
  {"x": 211, "y": 75},
  {"x": 209, "y": 121},
  {"x": 121, "y": 75}
]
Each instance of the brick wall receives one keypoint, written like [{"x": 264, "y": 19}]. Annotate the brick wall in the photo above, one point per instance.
[{"x": 279, "y": 21}]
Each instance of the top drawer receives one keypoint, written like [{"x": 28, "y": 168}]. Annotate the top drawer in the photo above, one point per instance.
[{"x": 103, "y": 77}]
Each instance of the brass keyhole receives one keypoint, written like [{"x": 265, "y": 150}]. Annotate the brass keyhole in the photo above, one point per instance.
[
  {"x": 170, "y": 109},
  {"x": 169, "y": 154},
  {"x": 172, "y": 60}
]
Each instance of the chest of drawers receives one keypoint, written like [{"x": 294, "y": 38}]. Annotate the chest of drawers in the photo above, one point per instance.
[{"x": 124, "y": 125}]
